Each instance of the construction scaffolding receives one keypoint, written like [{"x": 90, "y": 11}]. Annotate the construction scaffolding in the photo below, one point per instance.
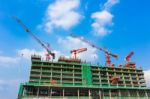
[{"x": 70, "y": 80}]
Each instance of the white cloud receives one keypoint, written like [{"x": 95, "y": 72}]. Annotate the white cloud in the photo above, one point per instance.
[
  {"x": 8, "y": 60},
  {"x": 147, "y": 76},
  {"x": 103, "y": 19},
  {"x": 62, "y": 14},
  {"x": 110, "y": 3},
  {"x": 26, "y": 53},
  {"x": 57, "y": 54},
  {"x": 70, "y": 43}
]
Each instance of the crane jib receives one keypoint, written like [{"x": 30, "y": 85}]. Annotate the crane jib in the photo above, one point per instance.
[
  {"x": 32, "y": 34},
  {"x": 93, "y": 45}
]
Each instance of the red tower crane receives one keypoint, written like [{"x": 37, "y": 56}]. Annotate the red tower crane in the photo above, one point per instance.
[
  {"x": 129, "y": 63},
  {"x": 127, "y": 58},
  {"x": 108, "y": 61},
  {"x": 49, "y": 53},
  {"x": 107, "y": 53},
  {"x": 76, "y": 51}
]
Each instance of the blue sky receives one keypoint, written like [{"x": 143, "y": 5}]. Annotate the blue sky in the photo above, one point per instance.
[{"x": 121, "y": 26}]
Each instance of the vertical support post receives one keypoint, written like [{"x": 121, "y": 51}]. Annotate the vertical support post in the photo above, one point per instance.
[
  {"x": 110, "y": 94},
  {"x": 63, "y": 93},
  {"x": 61, "y": 75},
  {"x": 137, "y": 94},
  {"x": 100, "y": 78},
  {"x": 51, "y": 72},
  {"x": 128, "y": 94},
  {"x": 103, "y": 94},
  {"x": 119, "y": 93},
  {"x": 51, "y": 93},
  {"x": 37, "y": 92},
  {"x": 78, "y": 94},
  {"x": 41, "y": 73},
  {"x": 146, "y": 94},
  {"x": 108, "y": 77},
  {"x": 73, "y": 75},
  {"x": 23, "y": 91},
  {"x": 89, "y": 93},
  {"x": 100, "y": 94}
]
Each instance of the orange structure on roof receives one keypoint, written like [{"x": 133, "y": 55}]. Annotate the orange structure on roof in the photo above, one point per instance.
[{"x": 114, "y": 79}]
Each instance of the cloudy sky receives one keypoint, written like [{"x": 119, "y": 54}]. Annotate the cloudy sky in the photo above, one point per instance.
[{"x": 119, "y": 25}]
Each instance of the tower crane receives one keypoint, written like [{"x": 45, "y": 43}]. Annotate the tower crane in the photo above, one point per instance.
[
  {"x": 108, "y": 61},
  {"x": 49, "y": 53},
  {"x": 76, "y": 51},
  {"x": 127, "y": 58},
  {"x": 107, "y": 53},
  {"x": 129, "y": 63}
]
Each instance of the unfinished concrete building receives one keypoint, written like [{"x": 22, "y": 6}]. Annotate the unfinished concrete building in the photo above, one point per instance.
[{"x": 78, "y": 80}]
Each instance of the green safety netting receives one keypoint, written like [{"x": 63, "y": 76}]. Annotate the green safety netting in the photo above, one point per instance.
[{"x": 86, "y": 74}]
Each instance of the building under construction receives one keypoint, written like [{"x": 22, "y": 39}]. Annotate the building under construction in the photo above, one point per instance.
[
  {"x": 79, "y": 80},
  {"x": 71, "y": 78}
]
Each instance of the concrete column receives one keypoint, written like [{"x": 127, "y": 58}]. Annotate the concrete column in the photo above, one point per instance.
[
  {"x": 61, "y": 76},
  {"x": 78, "y": 94},
  {"x": 63, "y": 93},
  {"x": 110, "y": 94},
  {"x": 37, "y": 92},
  {"x": 23, "y": 91},
  {"x": 73, "y": 75},
  {"x": 51, "y": 73},
  {"x": 100, "y": 94},
  {"x": 100, "y": 78},
  {"x": 146, "y": 94},
  {"x": 128, "y": 94},
  {"x": 89, "y": 94},
  {"x": 40, "y": 74},
  {"x": 119, "y": 93},
  {"x": 51, "y": 93},
  {"x": 108, "y": 79},
  {"x": 48, "y": 92},
  {"x": 137, "y": 94},
  {"x": 103, "y": 93}
]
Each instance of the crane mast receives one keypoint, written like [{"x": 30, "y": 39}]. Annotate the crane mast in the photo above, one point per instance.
[{"x": 34, "y": 37}]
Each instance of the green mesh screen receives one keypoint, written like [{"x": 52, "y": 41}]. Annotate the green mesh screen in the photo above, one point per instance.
[{"x": 86, "y": 74}]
